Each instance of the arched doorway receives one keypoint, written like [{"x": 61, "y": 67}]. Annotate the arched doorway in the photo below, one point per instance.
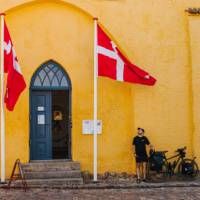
[{"x": 50, "y": 113}]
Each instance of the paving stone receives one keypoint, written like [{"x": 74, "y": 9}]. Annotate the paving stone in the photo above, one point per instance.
[{"x": 175, "y": 193}]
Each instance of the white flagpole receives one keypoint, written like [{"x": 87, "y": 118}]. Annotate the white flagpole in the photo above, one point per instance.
[
  {"x": 95, "y": 102},
  {"x": 2, "y": 103}
]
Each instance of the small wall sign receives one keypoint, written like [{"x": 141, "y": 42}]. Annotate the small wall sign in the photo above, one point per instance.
[
  {"x": 40, "y": 108},
  {"x": 87, "y": 126},
  {"x": 41, "y": 119}
]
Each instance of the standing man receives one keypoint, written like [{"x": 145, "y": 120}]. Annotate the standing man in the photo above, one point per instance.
[{"x": 140, "y": 153}]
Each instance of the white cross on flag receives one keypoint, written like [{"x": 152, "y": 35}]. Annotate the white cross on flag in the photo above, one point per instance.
[
  {"x": 113, "y": 64},
  {"x": 15, "y": 80}
]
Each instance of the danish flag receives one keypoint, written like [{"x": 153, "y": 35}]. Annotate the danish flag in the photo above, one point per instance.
[
  {"x": 15, "y": 80},
  {"x": 113, "y": 64}
]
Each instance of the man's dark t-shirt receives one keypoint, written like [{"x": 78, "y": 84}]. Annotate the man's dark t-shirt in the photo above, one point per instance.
[{"x": 140, "y": 147}]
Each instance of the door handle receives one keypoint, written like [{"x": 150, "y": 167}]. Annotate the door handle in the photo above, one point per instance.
[
  {"x": 70, "y": 121},
  {"x": 70, "y": 124}
]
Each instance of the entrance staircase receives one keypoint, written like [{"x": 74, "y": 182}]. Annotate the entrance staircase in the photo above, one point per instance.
[{"x": 55, "y": 173}]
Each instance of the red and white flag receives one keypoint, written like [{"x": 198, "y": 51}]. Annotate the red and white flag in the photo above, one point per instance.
[
  {"x": 15, "y": 80},
  {"x": 113, "y": 64}
]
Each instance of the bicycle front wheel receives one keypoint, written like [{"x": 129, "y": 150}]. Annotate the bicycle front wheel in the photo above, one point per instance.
[{"x": 188, "y": 167}]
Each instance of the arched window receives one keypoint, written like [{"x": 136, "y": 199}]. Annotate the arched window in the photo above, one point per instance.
[{"x": 50, "y": 75}]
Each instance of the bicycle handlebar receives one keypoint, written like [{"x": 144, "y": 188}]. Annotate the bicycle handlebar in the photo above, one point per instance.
[{"x": 181, "y": 149}]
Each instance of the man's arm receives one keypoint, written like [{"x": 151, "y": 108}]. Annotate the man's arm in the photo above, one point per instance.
[
  {"x": 133, "y": 147},
  {"x": 134, "y": 153},
  {"x": 148, "y": 146},
  {"x": 147, "y": 141}
]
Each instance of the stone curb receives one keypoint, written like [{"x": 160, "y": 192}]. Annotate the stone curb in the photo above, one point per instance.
[{"x": 116, "y": 186}]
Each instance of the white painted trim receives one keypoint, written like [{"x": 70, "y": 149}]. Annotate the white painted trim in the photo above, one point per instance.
[
  {"x": 95, "y": 102},
  {"x": 3, "y": 169}
]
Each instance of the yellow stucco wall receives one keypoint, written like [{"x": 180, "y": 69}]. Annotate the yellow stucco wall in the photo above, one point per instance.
[
  {"x": 194, "y": 30},
  {"x": 157, "y": 35}
]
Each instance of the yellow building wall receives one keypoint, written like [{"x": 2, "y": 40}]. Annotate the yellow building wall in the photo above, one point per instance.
[
  {"x": 194, "y": 32},
  {"x": 155, "y": 35}
]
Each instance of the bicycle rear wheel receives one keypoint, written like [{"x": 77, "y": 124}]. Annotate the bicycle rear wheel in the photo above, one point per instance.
[{"x": 192, "y": 171}]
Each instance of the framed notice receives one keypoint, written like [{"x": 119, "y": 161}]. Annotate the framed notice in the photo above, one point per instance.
[
  {"x": 87, "y": 126},
  {"x": 40, "y": 108}
]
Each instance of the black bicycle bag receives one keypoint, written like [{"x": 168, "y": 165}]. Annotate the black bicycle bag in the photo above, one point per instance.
[{"x": 156, "y": 161}]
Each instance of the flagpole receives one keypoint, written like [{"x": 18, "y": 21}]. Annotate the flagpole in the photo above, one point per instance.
[
  {"x": 95, "y": 102},
  {"x": 2, "y": 103}
]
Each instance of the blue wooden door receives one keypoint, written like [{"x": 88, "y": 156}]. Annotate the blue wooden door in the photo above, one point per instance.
[{"x": 40, "y": 138}]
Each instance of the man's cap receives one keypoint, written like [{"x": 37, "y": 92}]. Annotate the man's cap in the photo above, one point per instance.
[{"x": 141, "y": 129}]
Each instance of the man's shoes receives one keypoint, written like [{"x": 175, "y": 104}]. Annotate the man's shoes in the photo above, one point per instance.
[
  {"x": 138, "y": 180},
  {"x": 144, "y": 180}
]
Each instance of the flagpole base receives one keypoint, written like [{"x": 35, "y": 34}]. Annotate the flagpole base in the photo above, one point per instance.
[{"x": 95, "y": 181}]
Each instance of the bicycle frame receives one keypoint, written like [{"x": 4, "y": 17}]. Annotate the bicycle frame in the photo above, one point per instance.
[{"x": 172, "y": 167}]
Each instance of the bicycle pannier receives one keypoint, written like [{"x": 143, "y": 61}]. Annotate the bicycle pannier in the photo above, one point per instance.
[{"x": 156, "y": 161}]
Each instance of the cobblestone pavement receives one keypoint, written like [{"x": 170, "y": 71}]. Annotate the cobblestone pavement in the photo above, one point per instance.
[{"x": 179, "y": 193}]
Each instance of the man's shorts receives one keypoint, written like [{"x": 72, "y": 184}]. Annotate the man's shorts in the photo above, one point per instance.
[{"x": 140, "y": 159}]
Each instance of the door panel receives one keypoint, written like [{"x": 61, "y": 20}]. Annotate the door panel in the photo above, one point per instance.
[
  {"x": 41, "y": 141},
  {"x": 60, "y": 133}
]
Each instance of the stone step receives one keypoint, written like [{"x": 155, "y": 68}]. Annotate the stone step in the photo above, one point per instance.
[
  {"x": 53, "y": 174},
  {"x": 51, "y": 161},
  {"x": 50, "y": 166},
  {"x": 49, "y": 182}
]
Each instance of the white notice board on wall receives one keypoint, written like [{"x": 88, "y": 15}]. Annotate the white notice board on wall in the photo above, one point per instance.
[{"x": 87, "y": 127}]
